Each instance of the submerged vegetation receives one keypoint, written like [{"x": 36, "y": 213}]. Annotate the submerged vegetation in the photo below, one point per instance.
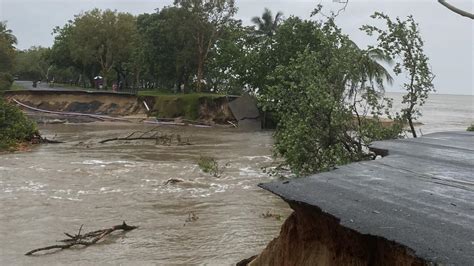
[{"x": 210, "y": 166}]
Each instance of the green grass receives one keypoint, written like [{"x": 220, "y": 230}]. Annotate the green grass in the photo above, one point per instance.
[{"x": 179, "y": 105}]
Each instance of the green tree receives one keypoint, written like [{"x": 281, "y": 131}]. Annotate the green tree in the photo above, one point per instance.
[
  {"x": 402, "y": 42},
  {"x": 7, "y": 56},
  {"x": 292, "y": 37},
  {"x": 167, "y": 51},
  {"x": 15, "y": 127},
  {"x": 313, "y": 96},
  {"x": 207, "y": 21},
  {"x": 32, "y": 64},
  {"x": 267, "y": 24},
  {"x": 97, "y": 37},
  {"x": 67, "y": 67},
  {"x": 228, "y": 61}
]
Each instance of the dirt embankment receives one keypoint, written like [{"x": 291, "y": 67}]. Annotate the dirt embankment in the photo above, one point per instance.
[
  {"x": 311, "y": 237},
  {"x": 192, "y": 107},
  {"x": 208, "y": 108},
  {"x": 80, "y": 102}
]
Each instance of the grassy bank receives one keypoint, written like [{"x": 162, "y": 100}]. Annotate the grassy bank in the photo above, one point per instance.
[{"x": 194, "y": 106}]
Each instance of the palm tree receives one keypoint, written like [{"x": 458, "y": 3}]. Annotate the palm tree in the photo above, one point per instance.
[
  {"x": 267, "y": 24},
  {"x": 369, "y": 70},
  {"x": 374, "y": 71},
  {"x": 7, "y": 48},
  {"x": 6, "y": 34}
]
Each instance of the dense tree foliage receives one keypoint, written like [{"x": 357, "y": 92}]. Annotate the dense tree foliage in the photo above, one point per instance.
[
  {"x": 15, "y": 127},
  {"x": 7, "y": 56},
  {"x": 208, "y": 19},
  {"x": 167, "y": 49},
  {"x": 32, "y": 64},
  {"x": 316, "y": 95},
  {"x": 96, "y": 43}
]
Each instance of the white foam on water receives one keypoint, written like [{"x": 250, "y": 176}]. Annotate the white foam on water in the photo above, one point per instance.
[
  {"x": 100, "y": 162},
  {"x": 265, "y": 158},
  {"x": 55, "y": 197},
  {"x": 105, "y": 190},
  {"x": 74, "y": 199},
  {"x": 64, "y": 191},
  {"x": 248, "y": 171},
  {"x": 218, "y": 188}
]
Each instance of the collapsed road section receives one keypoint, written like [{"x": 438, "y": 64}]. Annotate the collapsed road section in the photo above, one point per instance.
[
  {"x": 92, "y": 105},
  {"x": 106, "y": 103},
  {"x": 415, "y": 206}
]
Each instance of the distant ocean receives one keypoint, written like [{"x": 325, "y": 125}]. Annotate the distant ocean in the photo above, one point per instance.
[{"x": 442, "y": 112}]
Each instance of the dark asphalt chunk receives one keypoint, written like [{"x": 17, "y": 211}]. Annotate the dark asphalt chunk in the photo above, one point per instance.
[{"x": 421, "y": 195}]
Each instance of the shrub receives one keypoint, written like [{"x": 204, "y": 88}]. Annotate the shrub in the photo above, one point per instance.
[
  {"x": 6, "y": 81},
  {"x": 471, "y": 128},
  {"x": 210, "y": 166},
  {"x": 15, "y": 127}
]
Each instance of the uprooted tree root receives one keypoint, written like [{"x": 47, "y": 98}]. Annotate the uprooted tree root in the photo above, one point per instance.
[
  {"x": 152, "y": 134},
  {"x": 87, "y": 239}
]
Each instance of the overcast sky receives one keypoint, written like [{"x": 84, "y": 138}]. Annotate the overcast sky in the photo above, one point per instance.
[{"x": 448, "y": 37}]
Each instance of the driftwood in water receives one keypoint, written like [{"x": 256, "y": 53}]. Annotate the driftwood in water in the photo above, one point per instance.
[
  {"x": 38, "y": 139},
  {"x": 152, "y": 134},
  {"x": 86, "y": 239}
]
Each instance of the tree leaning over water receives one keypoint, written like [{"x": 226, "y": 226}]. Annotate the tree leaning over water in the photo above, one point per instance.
[
  {"x": 403, "y": 43},
  {"x": 316, "y": 95}
]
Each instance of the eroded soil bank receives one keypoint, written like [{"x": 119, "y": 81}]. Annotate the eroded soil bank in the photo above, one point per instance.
[
  {"x": 202, "y": 107},
  {"x": 80, "y": 101},
  {"x": 311, "y": 237}
]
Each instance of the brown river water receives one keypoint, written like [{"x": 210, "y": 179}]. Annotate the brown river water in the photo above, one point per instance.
[{"x": 56, "y": 188}]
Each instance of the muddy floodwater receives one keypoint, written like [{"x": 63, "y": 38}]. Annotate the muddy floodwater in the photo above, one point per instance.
[{"x": 57, "y": 188}]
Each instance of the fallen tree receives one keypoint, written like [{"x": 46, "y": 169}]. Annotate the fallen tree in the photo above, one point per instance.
[
  {"x": 87, "y": 239},
  {"x": 152, "y": 134}
]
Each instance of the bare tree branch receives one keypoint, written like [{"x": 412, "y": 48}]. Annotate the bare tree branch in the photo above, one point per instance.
[
  {"x": 456, "y": 10},
  {"x": 88, "y": 239}
]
